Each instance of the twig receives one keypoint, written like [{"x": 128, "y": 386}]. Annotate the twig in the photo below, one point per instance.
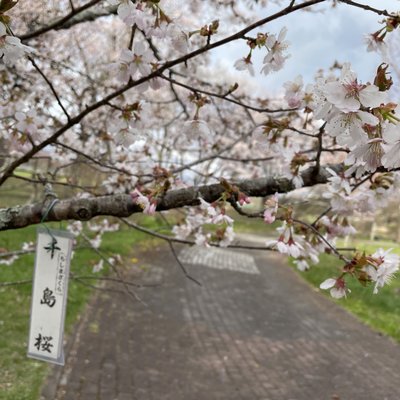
[
  {"x": 171, "y": 246},
  {"x": 192, "y": 243},
  {"x": 321, "y": 237},
  {"x": 51, "y": 86},
  {"x": 131, "y": 293},
  {"x": 366, "y": 7},
  {"x": 223, "y": 97}
]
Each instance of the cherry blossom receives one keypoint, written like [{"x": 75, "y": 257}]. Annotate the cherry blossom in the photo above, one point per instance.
[
  {"x": 271, "y": 209},
  {"x": 391, "y": 135},
  {"x": 293, "y": 92},
  {"x": 245, "y": 64},
  {"x": 376, "y": 43},
  {"x": 337, "y": 287},
  {"x": 98, "y": 267},
  {"x": 302, "y": 265},
  {"x": 351, "y": 124},
  {"x": 130, "y": 13},
  {"x": 11, "y": 48},
  {"x": 382, "y": 268},
  {"x": 286, "y": 243},
  {"x": 243, "y": 199},
  {"x": 182, "y": 231},
  {"x": 28, "y": 123},
  {"x": 142, "y": 57},
  {"x": 348, "y": 95},
  {"x": 148, "y": 206},
  {"x": 229, "y": 236},
  {"x": 196, "y": 129},
  {"x": 122, "y": 68},
  {"x": 211, "y": 211},
  {"x": 368, "y": 155},
  {"x": 202, "y": 239},
  {"x": 179, "y": 39},
  {"x": 275, "y": 58},
  {"x": 222, "y": 218},
  {"x": 75, "y": 228}
]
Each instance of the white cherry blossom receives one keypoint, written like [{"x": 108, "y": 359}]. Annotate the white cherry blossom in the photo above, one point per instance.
[
  {"x": 196, "y": 129},
  {"x": 369, "y": 155},
  {"x": 388, "y": 265},
  {"x": 275, "y": 58},
  {"x": 11, "y": 48},
  {"x": 182, "y": 231},
  {"x": 391, "y": 135},
  {"x": 294, "y": 92},
  {"x": 341, "y": 124},
  {"x": 245, "y": 64},
  {"x": 142, "y": 57},
  {"x": 336, "y": 287},
  {"x": 131, "y": 13},
  {"x": 229, "y": 237},
  {"x": 148, "y": 206},
  {"x": 302, "y": 265},
  {"x": 27, "y": 122},
  {"x": 348, "y": 95},
  {"x": 202, "y": 239}
]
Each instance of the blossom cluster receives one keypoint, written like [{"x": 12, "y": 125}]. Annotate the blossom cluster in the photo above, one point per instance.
[
  {"x": 358, "y": 116},
  {"x": 128, "y": 126},
  {"x": 379, "y": 268},
  {"x": 275, "y": 57},
  {"x": 208, "y": 213},
  {"x": 147, "y": 203},
  {"x": 134, "y": 64},
  {"x": 11, "y": 48},
  {"x": 157, "y": 20}
]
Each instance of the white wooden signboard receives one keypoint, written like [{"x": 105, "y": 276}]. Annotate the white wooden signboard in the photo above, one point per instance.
[{"x": 49, "y": 295}]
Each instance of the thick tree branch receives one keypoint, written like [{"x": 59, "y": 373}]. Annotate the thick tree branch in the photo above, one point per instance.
[{"x": 121, "y": 205}]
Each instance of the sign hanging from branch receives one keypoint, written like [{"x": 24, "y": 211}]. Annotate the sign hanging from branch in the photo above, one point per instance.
[{"x": 49, "y": 295}]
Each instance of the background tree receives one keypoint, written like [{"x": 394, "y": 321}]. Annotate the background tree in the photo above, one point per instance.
[{"x": 120, "y": 107}]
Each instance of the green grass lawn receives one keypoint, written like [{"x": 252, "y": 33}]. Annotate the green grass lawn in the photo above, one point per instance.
[
  {"x": 21, "y": 377},
  {"x": 380, "y": 311}
]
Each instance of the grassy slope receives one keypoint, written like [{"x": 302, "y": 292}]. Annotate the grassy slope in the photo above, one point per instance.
[
  {"x": 21, "y": 377},
  {"x": 381, "y": 311}
]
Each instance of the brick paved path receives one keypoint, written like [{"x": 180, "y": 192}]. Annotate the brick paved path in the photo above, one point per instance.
[{"x": 253, "y": 331}]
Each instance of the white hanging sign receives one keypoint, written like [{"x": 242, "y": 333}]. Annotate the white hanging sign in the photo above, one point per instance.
[{"x": 49, "y": 295}]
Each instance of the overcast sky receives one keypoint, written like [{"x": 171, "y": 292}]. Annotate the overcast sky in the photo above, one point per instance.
[{"x": 317, "y": 40}]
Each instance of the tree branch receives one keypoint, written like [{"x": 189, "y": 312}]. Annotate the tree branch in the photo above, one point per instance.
[
  {"x": 169, "y": 64},
  {"x": 121, "y": 205},
  {"x": 69, "y": 20}
]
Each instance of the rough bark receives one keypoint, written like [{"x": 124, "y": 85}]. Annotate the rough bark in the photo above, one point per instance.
[{"x": 121, "y": 205}]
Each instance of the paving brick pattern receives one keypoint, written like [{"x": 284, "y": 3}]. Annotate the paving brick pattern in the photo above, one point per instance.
[
  {"x": 247, "y": 336},
  {"x": 215, "y": 257}
]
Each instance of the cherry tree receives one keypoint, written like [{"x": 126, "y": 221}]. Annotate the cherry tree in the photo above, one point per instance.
[{"x": 130, "y": 91}]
